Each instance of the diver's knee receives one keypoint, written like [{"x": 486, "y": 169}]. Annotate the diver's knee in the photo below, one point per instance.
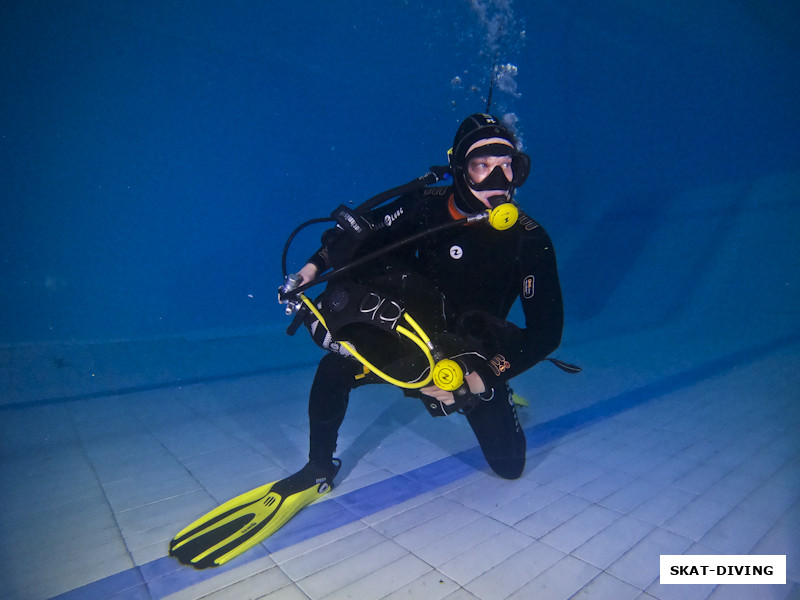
[{"x": 508, "y": 468}]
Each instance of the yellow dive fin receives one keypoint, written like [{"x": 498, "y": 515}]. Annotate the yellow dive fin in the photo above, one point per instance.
[
  {"x": 520, "y": 401},
  {"x": 249, "y": 519}
]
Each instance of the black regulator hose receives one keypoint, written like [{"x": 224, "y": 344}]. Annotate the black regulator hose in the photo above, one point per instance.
[
  {"x": 434, "y": 175},
  {"x": 381, "y": 251},
  {"x": 291, "y": 237}
]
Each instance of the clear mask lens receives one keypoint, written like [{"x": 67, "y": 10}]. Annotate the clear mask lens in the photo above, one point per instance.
[{"x": 496, "y": 180}]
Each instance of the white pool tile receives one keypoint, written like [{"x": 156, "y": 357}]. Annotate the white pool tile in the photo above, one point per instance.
[
  {"x": 755, "y": 592},
  {"x": 607, "y": 587},
  {"x": 646, "y": 461},
  {"x": 534, "y": 497},
  {"x": 553, "y": 466},
  {"x": 460, "y": 540},
  {"x": 640, "y": 565},
  {"x": 411, "y": 513},
  {"x": 436, "y": 528},
  {"x": 551, "y": 516},
  {"x": 461, "y": 594},
  {"x": 238, "y": 582},
  {"x": 738, "y": 531},
  {"x": 514, "y": 572},
  {"x": 580, "y": 528},
  {"x": 563, "y": 580},
  {"x": 602, "y": 487},
  {"x": 288, "y": 592},
  {"x": 772, "y": 499},
  {"x": 352, "y": 569},
  {"x": 430, "y": 586},
  {"x": 733, "y": 488},
  {"x": 663, "y": 505},
  {"x": 571, "y": 480},
  {"x": 385, "y": 580},
  {"x": 673, "y": 469},
  {"x": 633, "y": 494},
  {"x": 486, "y": 556},
  {"x": 696, "y": 518},
  {"x": 681, "y": 592},
  {"x": 313, "y": 544},
  {"x": 700, "y": 479},
  {"x": 322, "y": 555},
  {"x": 613, "y": 542},
  {"x": 588, "y": 519}
]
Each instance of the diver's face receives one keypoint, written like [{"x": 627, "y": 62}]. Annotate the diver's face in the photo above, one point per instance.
[{"x": 481, "y": 167}]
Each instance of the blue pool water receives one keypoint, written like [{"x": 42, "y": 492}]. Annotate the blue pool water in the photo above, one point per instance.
[{"x": 155, "y": 157}]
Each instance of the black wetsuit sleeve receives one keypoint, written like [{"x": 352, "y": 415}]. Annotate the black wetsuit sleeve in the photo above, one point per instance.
[
  {"x": 518, "y": 348},
  {"x": 321, "y": 259},
  {"x": 338, "y": 248}
]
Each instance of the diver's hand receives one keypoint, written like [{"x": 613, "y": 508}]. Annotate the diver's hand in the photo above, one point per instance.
[
  {"x": 307, "y": 273},
  {"x": 474, "y": 382},
  {"x": 290, "y": 284},
  {"x": 443, "y": 396},
  {"x": 295, "y": 280}
]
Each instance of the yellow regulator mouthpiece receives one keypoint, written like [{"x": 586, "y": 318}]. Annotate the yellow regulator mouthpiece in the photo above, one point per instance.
[
  {"x": 447, "y": 375},
  {"x": 504, "y": 216}
]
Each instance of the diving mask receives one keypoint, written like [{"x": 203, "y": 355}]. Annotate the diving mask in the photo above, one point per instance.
[
  {"x": 503, "y": 213},
  {"x": 497, "y": 180}
]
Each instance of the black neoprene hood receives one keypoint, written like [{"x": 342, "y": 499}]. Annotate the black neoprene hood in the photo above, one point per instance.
[{"x": 474, "y": 128}]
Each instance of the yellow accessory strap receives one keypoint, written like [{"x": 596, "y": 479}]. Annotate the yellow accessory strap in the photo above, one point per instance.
[{"x": 418, "y": 336}]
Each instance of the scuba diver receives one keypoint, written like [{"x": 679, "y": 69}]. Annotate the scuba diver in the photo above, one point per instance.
[{"x": 438, "y": 259}]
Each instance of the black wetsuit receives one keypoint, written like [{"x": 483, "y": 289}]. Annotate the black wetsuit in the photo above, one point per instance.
[{"x": 480, "y": 272}]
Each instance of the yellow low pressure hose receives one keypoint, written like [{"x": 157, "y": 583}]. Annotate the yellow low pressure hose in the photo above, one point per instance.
[{"x": 419, "y": 338}]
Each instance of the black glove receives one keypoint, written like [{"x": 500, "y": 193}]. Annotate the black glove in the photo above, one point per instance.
[
  {"x": 464, "y": 403},
  {"x": 344, "y": 241}
]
